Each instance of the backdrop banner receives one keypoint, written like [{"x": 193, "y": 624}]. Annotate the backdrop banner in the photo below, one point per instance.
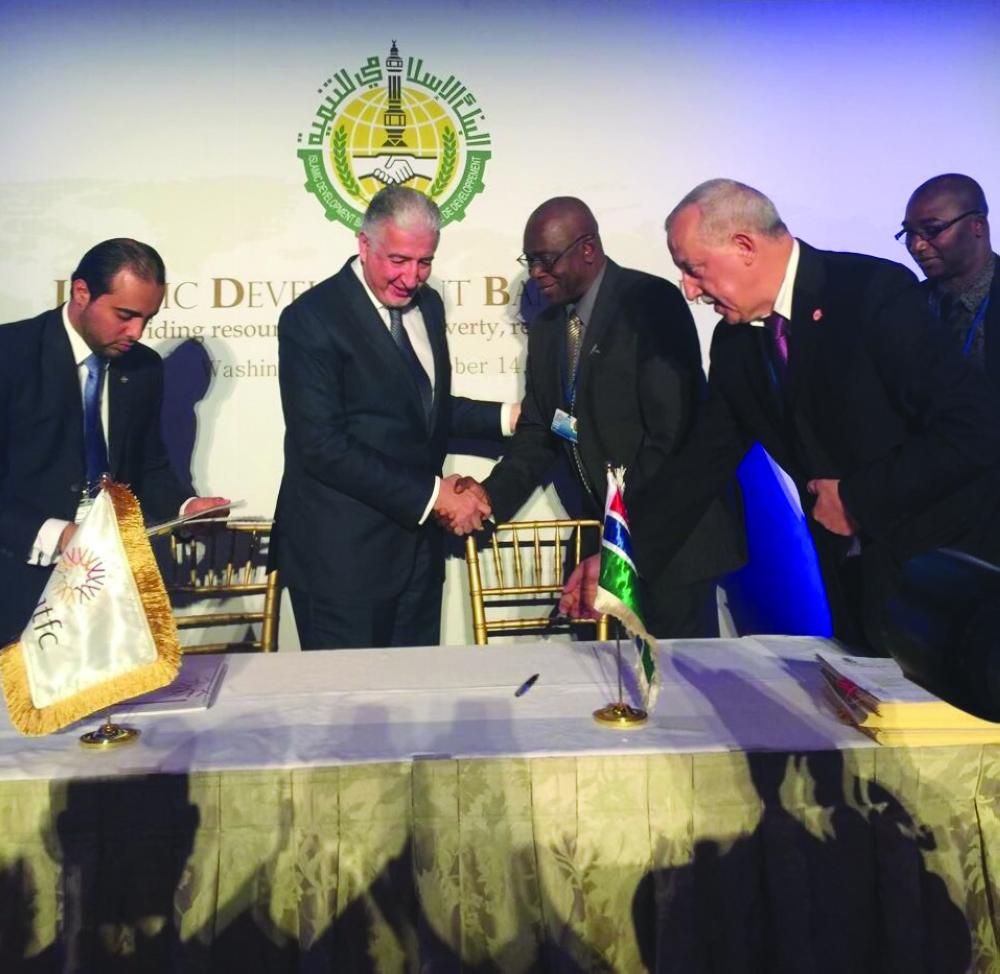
[{"x": 244, "y": 140}]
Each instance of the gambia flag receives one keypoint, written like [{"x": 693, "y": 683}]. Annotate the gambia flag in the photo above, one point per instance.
[{"x": 618, "y": 587}]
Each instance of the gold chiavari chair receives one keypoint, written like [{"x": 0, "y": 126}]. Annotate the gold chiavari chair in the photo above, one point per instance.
[
  {"x": 519, "y": 572},
  {"x": 221, "y": 563}
]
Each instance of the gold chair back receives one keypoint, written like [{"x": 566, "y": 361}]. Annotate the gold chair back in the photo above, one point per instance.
[
  {"x": 522, "y": 566},
  {"x": 220, "y": 562}
]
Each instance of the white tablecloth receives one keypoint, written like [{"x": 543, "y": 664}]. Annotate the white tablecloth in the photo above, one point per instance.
[{"x": 354, "y": 706}]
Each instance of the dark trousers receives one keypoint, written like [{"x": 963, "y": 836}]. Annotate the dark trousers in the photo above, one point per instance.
[{"x": 410, "y": 618}]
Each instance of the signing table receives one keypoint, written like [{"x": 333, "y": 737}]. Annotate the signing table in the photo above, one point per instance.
[{"x": 399, "y": 810}]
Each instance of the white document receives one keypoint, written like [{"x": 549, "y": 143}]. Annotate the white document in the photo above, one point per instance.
[
  {"x": 195, "y": 688},
  {"x": 164, "y": 526}
]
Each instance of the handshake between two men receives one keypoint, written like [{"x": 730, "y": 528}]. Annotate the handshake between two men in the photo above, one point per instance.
[{"x": 462, "y": 505}]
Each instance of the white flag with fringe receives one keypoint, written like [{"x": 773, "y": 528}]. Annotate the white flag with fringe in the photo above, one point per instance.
[{"x": 102, "y": 631}]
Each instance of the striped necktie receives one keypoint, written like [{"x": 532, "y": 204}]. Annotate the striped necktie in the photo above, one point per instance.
[{"x": 574, "y": 341}]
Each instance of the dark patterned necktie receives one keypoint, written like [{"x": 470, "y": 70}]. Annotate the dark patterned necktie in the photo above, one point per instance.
[
  {"x": 405, "y": 346},
  {"x": 95, "y": 447},
  {"x": 778, "y": 329},
  {"x": 574, "y": 340}
]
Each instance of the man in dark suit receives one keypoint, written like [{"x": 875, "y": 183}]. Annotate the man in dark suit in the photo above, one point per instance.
[
  {"x": 947, "y": 232},
  {"x": 833, "y": 363},
  {"x": 617, "y": 354},
  {"x": 66, "y": 377},
  {"x": 366, "y": 393}
]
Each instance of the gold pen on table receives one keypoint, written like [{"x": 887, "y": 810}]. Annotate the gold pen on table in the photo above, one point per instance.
[{"x": 526, "y": 686}]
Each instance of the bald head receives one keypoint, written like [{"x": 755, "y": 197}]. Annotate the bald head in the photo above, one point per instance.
[
  {"x": 946, "y": 229},
  {"x": 564, "y": 213},
  {"x": 563, "y": 244},
  {"x": 963, "y": 190}
]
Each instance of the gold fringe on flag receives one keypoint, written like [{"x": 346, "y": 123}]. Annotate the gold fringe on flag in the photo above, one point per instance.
[{"x": 34, "y": 721}]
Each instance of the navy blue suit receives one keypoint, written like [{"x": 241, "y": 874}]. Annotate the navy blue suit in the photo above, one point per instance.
[
  {"x": 361, "y": 457},
  {"x": 42, "y": 465}
]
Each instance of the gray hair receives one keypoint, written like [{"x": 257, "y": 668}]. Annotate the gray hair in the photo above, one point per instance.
[
  {"x": 407, "y": 208},
  {"x": 728, "y": 207}
]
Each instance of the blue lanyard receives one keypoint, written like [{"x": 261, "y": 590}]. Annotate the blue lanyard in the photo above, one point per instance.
[
  {"x": 976, "y": 323},
  {"x": 569, "y": 388}
]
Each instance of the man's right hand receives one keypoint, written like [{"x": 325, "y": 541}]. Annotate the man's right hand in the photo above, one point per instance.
[
  {"x": 66, "y": 537},
  {"x": 580, "y": 590},
  {"x": 461, "y": 505}
]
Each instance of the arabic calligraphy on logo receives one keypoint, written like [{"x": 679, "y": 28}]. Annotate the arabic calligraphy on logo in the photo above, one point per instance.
[{"x": 382, "y": 126}]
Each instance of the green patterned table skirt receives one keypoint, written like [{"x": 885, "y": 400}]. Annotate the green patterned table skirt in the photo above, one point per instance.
[{"x": 872, "y": 860}]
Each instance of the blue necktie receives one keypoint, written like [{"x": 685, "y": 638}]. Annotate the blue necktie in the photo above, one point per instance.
[
  {"x": 93, "y": 435},
  {"x": 402, "y": 340}
]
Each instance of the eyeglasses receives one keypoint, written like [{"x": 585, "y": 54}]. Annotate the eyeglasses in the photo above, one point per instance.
[
  {"x": 932, "y": 230},
  {"x": 547, "y": 263}
]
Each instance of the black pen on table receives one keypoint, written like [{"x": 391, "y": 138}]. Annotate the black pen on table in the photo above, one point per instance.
[{"x": 526, "y": 686}]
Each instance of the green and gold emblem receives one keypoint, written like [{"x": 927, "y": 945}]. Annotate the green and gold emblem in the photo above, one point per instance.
[{"x": 390, "y": 123}]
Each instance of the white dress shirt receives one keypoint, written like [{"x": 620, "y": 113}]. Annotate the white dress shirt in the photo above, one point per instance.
[{"x": 783, "y": 302}]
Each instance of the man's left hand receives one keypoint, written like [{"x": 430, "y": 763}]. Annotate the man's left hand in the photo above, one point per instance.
[
  {"x": 197, "y": 504},
  {"x": 580, "y": 590},
  {"x": 829, "y": 510}
]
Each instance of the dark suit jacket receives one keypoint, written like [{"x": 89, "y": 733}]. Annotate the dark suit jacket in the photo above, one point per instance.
[
  {"x": 360, "y": 455},
  {"x": 877, "y": 397},
  {"x": 42, "y": 465},
  {"x": 638, "y": 388}
]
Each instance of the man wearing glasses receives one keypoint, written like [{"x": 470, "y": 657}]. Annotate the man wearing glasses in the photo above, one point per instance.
[
  {"x": 947, "y": 233},
  {"x": 613, "y": 376}
]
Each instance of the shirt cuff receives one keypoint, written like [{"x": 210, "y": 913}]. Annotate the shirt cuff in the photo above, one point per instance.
[
  {"x": 45, "y": 550},
  {"x": 505, "y": 429},
  {"x": 432, "y": 501},
  {"x": 184, "y": 506}
]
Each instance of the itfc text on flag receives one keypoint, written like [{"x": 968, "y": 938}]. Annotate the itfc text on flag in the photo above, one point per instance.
[
  {"x": 618, "y": 587},
  {"x": 102, "y": 631}
]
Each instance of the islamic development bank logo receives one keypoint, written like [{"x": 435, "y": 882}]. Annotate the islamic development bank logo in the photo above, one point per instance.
[{"x": 381, "y": 126}]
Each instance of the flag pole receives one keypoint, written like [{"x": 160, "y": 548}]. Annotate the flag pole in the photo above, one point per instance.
[
  {"x": 109, "y": 735},
  {"x": 618, "y": 594},
  {"x": 619, "y": 713},
  {"x": 618, "y": 656}
]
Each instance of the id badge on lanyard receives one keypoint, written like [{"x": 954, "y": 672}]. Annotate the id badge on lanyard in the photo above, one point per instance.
[{"x": 564, "y": 425}]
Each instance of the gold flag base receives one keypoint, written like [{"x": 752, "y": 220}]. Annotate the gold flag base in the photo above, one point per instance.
[
  {"x": 620, "y": 715},
  {"x": 109, "y": 735}
]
